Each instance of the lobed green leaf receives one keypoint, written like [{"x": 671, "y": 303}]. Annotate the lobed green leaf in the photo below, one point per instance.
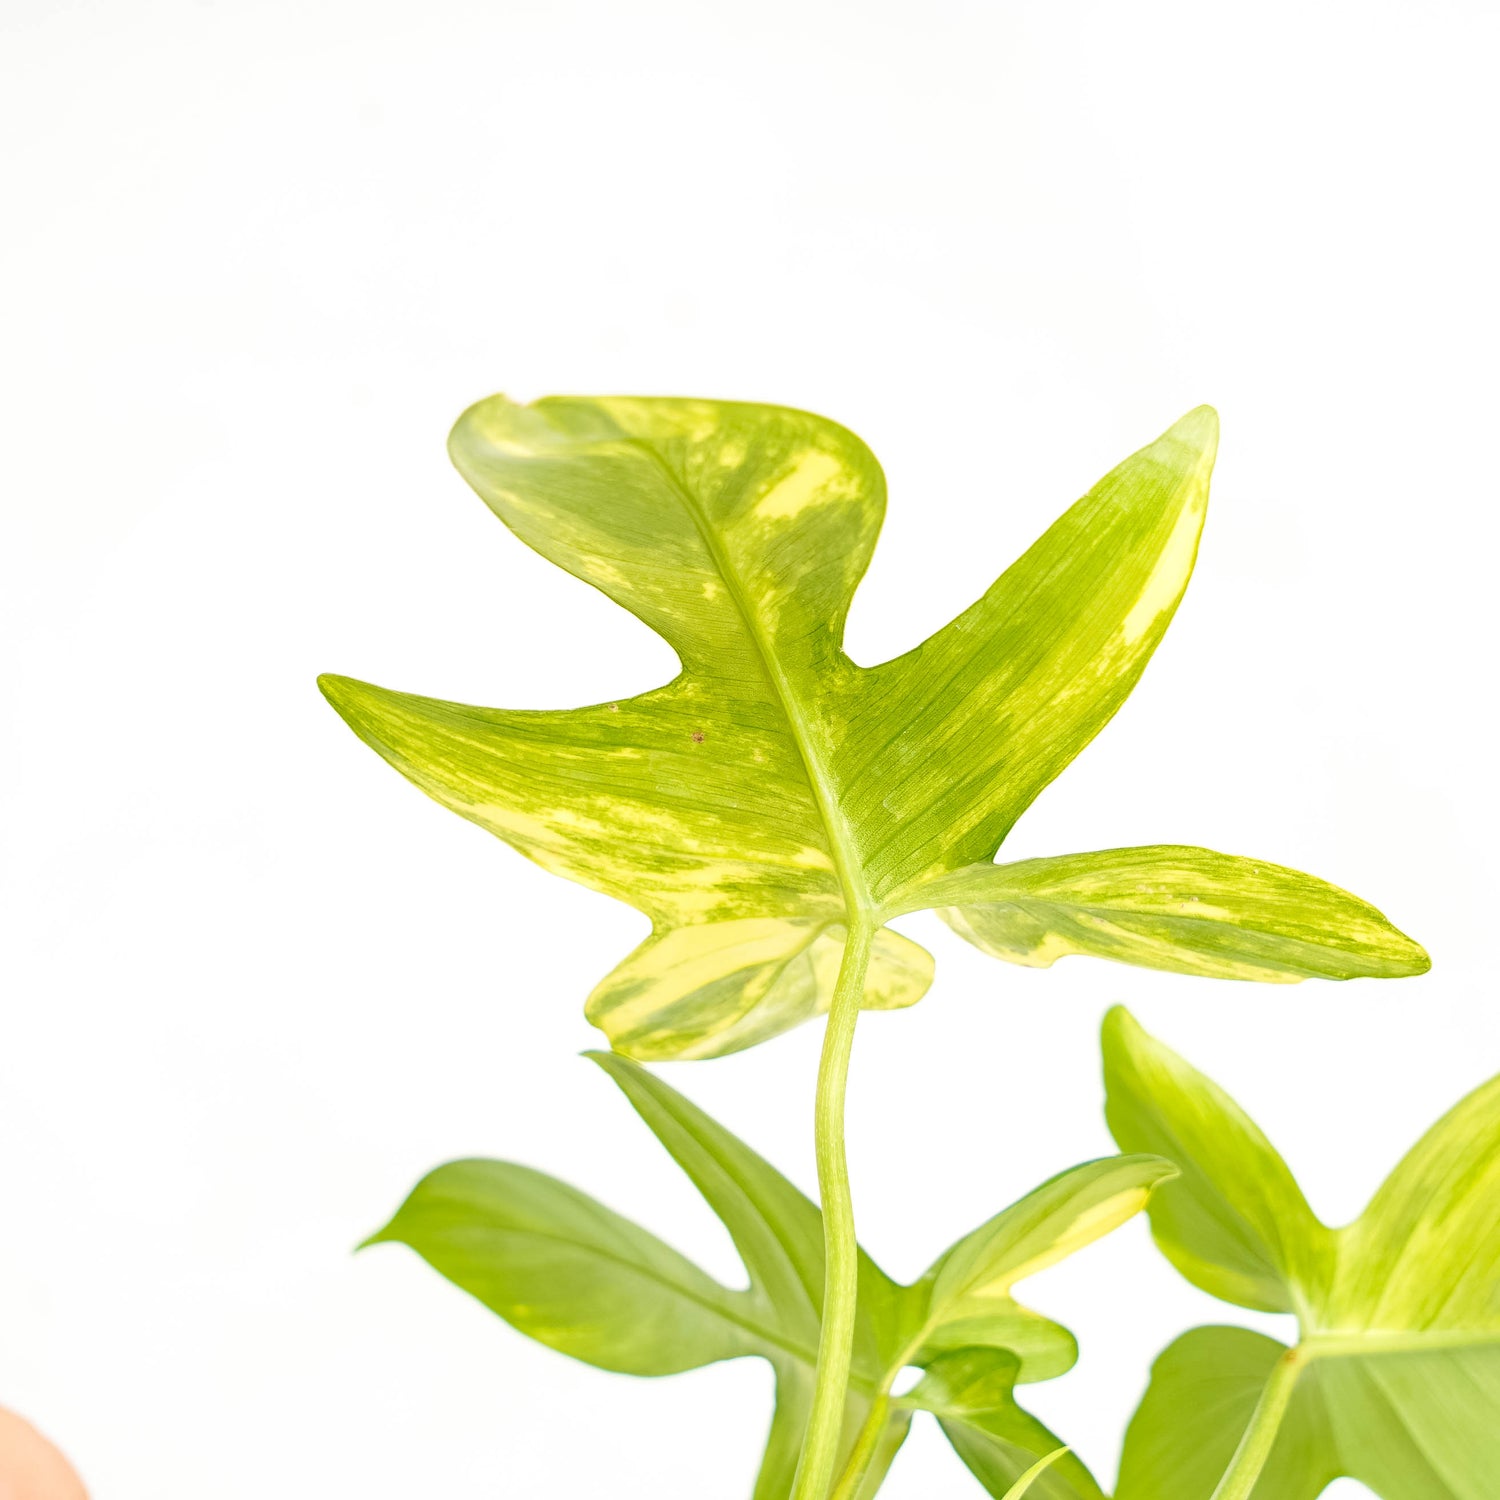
[
  {"x": 1234, "y": 1222},
  {"x": 570, "y": 1273},
  {"x": 1395, "y": 1378},
  {"x": 573, "y": 1274},
  {"x": 1426, "y": 1253},
  {"x": 1204, "y": 1390}
]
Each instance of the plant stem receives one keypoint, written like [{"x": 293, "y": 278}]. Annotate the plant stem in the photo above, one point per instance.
[
  {"x": 1260, "y": 1436},
  {"x": 840, "y": 1248},
  {"x": 864, "y": 1449}
]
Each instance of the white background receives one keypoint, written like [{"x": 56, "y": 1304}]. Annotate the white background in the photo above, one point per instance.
[{"x": 256, "y": 257}]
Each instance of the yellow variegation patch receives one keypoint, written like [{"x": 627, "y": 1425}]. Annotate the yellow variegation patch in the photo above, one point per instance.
[{"x": 734, "y": 983}]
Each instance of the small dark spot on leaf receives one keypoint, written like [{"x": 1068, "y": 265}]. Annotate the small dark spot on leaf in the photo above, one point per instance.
[
  {"x": 697, "y": 736},
  {"x": 614, "y": 708}
]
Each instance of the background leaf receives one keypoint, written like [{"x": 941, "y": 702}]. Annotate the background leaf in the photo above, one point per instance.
[
  {"x": 1234, "y": 1222},
  {"x": 573, "y": 1274},
  {"x": 570, "y": 1273},
  {"x": 1426, "y": 1252},
  {"x": 1203, "y": 1390},
  {"x": 1397, "y": 1368},
  {"x": 972, "y": 1393}
]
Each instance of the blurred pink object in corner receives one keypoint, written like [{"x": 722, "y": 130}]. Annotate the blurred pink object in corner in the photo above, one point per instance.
[{"x": 31, "y": 1468}]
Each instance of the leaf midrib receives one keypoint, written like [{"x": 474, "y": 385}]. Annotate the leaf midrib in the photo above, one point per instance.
[
  {"x": 1376, "y": 1342},
  {"x": 1355, "y": 1345},
  {"x": 840, "y": 840},
  {"x": 726, "y": 1305},
  {"x": 1112, "y": 912}
]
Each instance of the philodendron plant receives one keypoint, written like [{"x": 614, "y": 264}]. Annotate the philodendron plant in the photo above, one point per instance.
[{"x": 774, "y": 806}]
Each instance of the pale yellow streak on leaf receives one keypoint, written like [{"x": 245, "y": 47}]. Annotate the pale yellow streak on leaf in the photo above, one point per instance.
[
  {"x": 1089, "y": 1226},
  {"x": 789, "y": 497},
  {"x": 1169, "y": 578},
  {"x": 689, "y": 957},
  {"x": 1040, "y": 955},
  {"x": 900, "y": 971}
]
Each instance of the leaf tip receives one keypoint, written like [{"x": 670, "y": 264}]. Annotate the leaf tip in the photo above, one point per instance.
[
  {"x": 382, "y": 1236},
  {"x": 344, "y": 694},
  {"x": 616, "y": 1064},
  {"x": 478, "y": 423},
  {"x": 1119, "y": 1026},
  {"x": 1414, "y": 959},
  {"x": 1198, "y": 429},
  {"x": 1156, "y": 1170}
]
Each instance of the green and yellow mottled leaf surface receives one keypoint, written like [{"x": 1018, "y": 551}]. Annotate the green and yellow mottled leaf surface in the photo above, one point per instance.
[
  {"x": 1395, "y": 1378},
  {"x": 954, "y": 740},
  {"x": 574, "y": 1275},
  {"x": 715, "y": 987},
  {"x": 1183, "y": 910},
  {"x": 774, "y": 791}
]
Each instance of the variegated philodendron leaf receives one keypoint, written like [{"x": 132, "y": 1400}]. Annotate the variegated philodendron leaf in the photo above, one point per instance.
[
  {"x": 1395, "y": 1377},
  {"x": 576, "y": 1276},
  {"x": 774, "y": 789}
]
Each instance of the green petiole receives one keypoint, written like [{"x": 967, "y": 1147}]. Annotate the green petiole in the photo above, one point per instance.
[{"x": 841, "y": 1249}]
